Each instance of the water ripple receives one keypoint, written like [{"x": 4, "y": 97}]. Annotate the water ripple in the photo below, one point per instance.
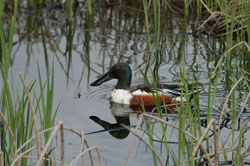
[{"x": 99, "y": 94}]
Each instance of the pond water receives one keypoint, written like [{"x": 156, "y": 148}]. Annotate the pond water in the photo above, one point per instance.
[{"x": 82, "y": 51}]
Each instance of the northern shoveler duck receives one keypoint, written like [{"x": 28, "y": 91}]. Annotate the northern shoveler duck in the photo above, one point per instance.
[{"x": 140, "y": 95}]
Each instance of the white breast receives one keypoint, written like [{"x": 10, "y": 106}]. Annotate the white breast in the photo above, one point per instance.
[{"x": 121, "y": 96}]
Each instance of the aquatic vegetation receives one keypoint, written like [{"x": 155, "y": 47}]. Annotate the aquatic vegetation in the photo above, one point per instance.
[
  {"x": 154, "y": 38},
  {"x": 189, "y": 113}
]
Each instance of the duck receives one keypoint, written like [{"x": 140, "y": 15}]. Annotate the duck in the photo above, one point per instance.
[{"x": 123, "y": 93}]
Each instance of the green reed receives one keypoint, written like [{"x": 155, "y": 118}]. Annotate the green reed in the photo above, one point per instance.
[
  {"x": 154, "y": 73},
  {"x": 159, "y": 110},
  {"x": 47, "y": 115},
  {"x": 157, "y": 22},
  {"x": 184, "y": 112},
  {"x": 19, "y": 116},
  {"x": 229, "y": 30},
  {"x": 186, "y": 116},
  {"x": 234, "y": 115},
  {"x": 234, "y": 10},
  {"x": 6, "y": 46},
  {"x": 6, "y": 99},
  {"x": 90, "y": 7},
  {"x": 14, "y": 101},
  {"x": 246, "y": 20},
  {"x": 156, "y": 32},
  {"x": 149, "y": 127},
  {"x": 150, "y": 134},
  {"x": 145, "y": 6}
]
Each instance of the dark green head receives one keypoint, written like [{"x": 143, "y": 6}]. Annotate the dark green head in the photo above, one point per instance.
[{"x": 120, "y": 71}]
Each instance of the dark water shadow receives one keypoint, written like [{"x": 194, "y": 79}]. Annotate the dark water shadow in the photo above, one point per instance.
[{"x": 121, "y": 115}]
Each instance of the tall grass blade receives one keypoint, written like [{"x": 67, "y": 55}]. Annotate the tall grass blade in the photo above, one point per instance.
[{"x": 90, "y": 7}]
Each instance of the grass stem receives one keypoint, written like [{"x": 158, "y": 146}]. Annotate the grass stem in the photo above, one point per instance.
[
  {"x": 11, "y": 134},
  {"x": 33, "y": 113},
  {"x": 62, "y": 144},
  {"x": 145, "y": 142}
]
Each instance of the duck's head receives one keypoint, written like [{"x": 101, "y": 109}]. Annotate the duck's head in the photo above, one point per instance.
[{"x": 120, "y": 71}]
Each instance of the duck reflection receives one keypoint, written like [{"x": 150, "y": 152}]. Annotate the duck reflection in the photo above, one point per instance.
[{"x": 121, "y": 114}]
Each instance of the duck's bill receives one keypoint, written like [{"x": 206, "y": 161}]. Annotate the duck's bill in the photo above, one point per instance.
[{"x": 106, "y": 77}]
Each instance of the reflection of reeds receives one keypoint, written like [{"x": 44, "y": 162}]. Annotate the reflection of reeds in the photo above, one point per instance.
[
  {"x": 187, "y": 117},
  {"x": 197, "y": 149},
  {"x": 6, "y": 45},
  {"x": 111, "y": 30},
  {"x": 103, "y": 22}
]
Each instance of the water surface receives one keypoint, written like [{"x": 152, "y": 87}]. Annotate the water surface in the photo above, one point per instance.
[{"x": 85, "y": 49}]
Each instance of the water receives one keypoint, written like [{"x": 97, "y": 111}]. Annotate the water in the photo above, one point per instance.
[{"x": 115, "y": 34}]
